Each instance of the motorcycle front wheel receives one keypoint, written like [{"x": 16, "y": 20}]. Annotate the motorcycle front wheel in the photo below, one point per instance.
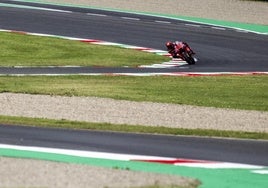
[{"x": 188, "y": 58}]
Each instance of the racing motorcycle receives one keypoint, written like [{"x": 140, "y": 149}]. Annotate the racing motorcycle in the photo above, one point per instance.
[{"x": 182, "y": 50}]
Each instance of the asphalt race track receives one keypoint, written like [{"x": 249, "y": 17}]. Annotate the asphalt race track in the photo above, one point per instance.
[
  {"x": 225, "y": 150},
  {"x": 218, "y": 50}
]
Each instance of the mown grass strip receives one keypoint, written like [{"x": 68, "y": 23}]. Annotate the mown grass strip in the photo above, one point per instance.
[
  {"x": 27, "y": 50},
  {"x": 40, "y": 122},
  {"x": 237, "y": 92}
]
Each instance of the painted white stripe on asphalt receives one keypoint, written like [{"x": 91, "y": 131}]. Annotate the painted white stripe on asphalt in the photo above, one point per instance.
[
  {"x": 41, "y": 35},
  {"x": 35, "y": 8},
  {"x": 260, "y": 171},
  {"x": 107, "y": 43},
  {"x": 92, "y": 14},
  {"x": 54, "y": 10},
  {"x": 165, "y": 22},
  {"x": 129, "y": 157},
  {"x": 56, "y": 36},
  {"x": 241, "y": 31},
  {"x": 218, "y": 28},
  {"x": 130, "y": 18},
  {"x": 4, "y": 30},
  {"x": 154, "y": 51},
  {"x": 165, "y": 64},
  {"x": 141, "y": 74},
  {"x": 80, "y": 153},
  {"x": 222, "y": 165}
]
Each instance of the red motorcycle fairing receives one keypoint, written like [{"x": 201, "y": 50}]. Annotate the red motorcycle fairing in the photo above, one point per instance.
[{"x": 182, "y": 50}]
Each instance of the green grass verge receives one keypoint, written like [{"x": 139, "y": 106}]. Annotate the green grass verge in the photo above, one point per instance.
[
  {"x": 245, "y": 92},
  {"x": 40, "y": 122},
  {"x": 27, "y": 50}
]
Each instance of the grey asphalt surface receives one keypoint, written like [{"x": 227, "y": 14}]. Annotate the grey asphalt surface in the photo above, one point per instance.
[
  {"x": 226, "y": 150},
  {"x": 217, "y": 50}
]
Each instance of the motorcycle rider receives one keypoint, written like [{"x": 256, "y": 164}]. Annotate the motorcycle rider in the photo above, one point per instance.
[{"x": 174, "y": 47}]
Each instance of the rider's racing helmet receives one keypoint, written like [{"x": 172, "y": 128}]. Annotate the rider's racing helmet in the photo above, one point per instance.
[{"x": 170, "y": 45}]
